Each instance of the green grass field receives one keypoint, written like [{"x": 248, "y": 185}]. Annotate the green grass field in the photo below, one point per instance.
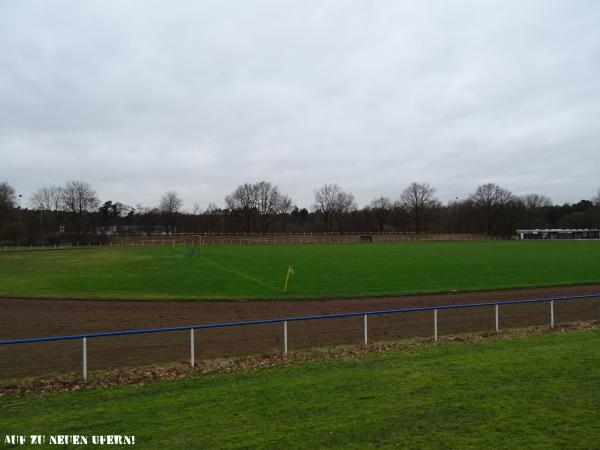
[
  {"x": 540, "y": 391},
  {"x": 329, "y": 270}
]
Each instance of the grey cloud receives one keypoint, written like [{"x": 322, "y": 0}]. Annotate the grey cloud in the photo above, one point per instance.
[{"x": 141, "y": 97}]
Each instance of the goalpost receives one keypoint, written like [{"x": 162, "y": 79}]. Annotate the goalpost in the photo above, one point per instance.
[{"x": 195, "y": 250}]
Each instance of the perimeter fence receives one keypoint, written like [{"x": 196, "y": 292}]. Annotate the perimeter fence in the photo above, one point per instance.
[
  {"x": 246, "y": 239},
  {"x": 199, "y": 333}
]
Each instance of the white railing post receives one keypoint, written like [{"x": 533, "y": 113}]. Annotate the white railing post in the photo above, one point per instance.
[
  {"x": 366, "y": 333},
  {"x": 551, "y": 313},
  {"x": 435, "y": 325},
  {"x": 192, "y": 348},
  {"x": 85, "y": 375},
  {"x": 285, "y": 339},
  {"x": 497, "y": 320}
]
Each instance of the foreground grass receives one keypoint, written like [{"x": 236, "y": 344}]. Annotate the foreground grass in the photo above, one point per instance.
[
  {"x": 540, "y": 391},
  {"x": 329, "y": 270}
]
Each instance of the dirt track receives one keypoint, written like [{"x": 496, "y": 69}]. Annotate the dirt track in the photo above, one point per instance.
[{"x": 24, "y": 318}]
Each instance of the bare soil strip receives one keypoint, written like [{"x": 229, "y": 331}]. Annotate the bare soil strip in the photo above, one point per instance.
[{"x": 26, "y": 318}]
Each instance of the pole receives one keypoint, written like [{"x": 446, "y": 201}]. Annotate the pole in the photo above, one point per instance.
[
  {"x": 285, "y": 338},
  {"x": 85, "y": 374},
  {"x": 287, "y": 278},
  {"x": 551, "y": 313},
  {"x": 192, "y": 348},
  {"x": 497, "y": 320},
  {"x": 366, "y": 333},
  {"x": 435, "y": 325}
]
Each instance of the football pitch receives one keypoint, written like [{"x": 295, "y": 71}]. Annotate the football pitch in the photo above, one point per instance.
[{"x": 320, "y": 270}]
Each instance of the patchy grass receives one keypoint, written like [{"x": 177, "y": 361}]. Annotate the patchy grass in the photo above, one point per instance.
[
  {"x": 326, "y": 270},
  {"x": 540, "y": 391}
]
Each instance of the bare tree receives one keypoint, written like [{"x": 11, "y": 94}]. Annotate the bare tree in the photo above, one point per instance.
[
  {"x": 418, "y": 199},
  {"x": 345, "y": 203},
  {"x": 7, "y": 196},
  {"x": 332, "y": 201},
  {"x": 325, "y": 199},
  {"x": 252, "y": 201},
  {"x": 381, "y": 208},
  {"x": 536, "y": 201},
  {"x": 78, "y": 198},
  {"x": 489, "y": 200},
  {"x": 243, "y": 204},
  {"x": 47, "y": 198},
  {"x": 170, "y": 203},
  {"x": 270, "y": 202},
  {"x": 196, "y": 209},
  {"x": 212, "y": 208}
]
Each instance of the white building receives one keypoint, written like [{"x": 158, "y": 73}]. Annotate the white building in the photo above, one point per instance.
[{"x": 559, "y": 233}]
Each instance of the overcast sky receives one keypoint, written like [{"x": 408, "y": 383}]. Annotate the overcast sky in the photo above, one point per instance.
[{"x": 141, "y": 97}]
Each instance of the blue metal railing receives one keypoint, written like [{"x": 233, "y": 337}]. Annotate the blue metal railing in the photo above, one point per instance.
[{"x": 285, "y": 320}]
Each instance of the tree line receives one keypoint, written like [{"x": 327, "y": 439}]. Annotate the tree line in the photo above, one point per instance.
[{"x": 260, "y": 207}]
